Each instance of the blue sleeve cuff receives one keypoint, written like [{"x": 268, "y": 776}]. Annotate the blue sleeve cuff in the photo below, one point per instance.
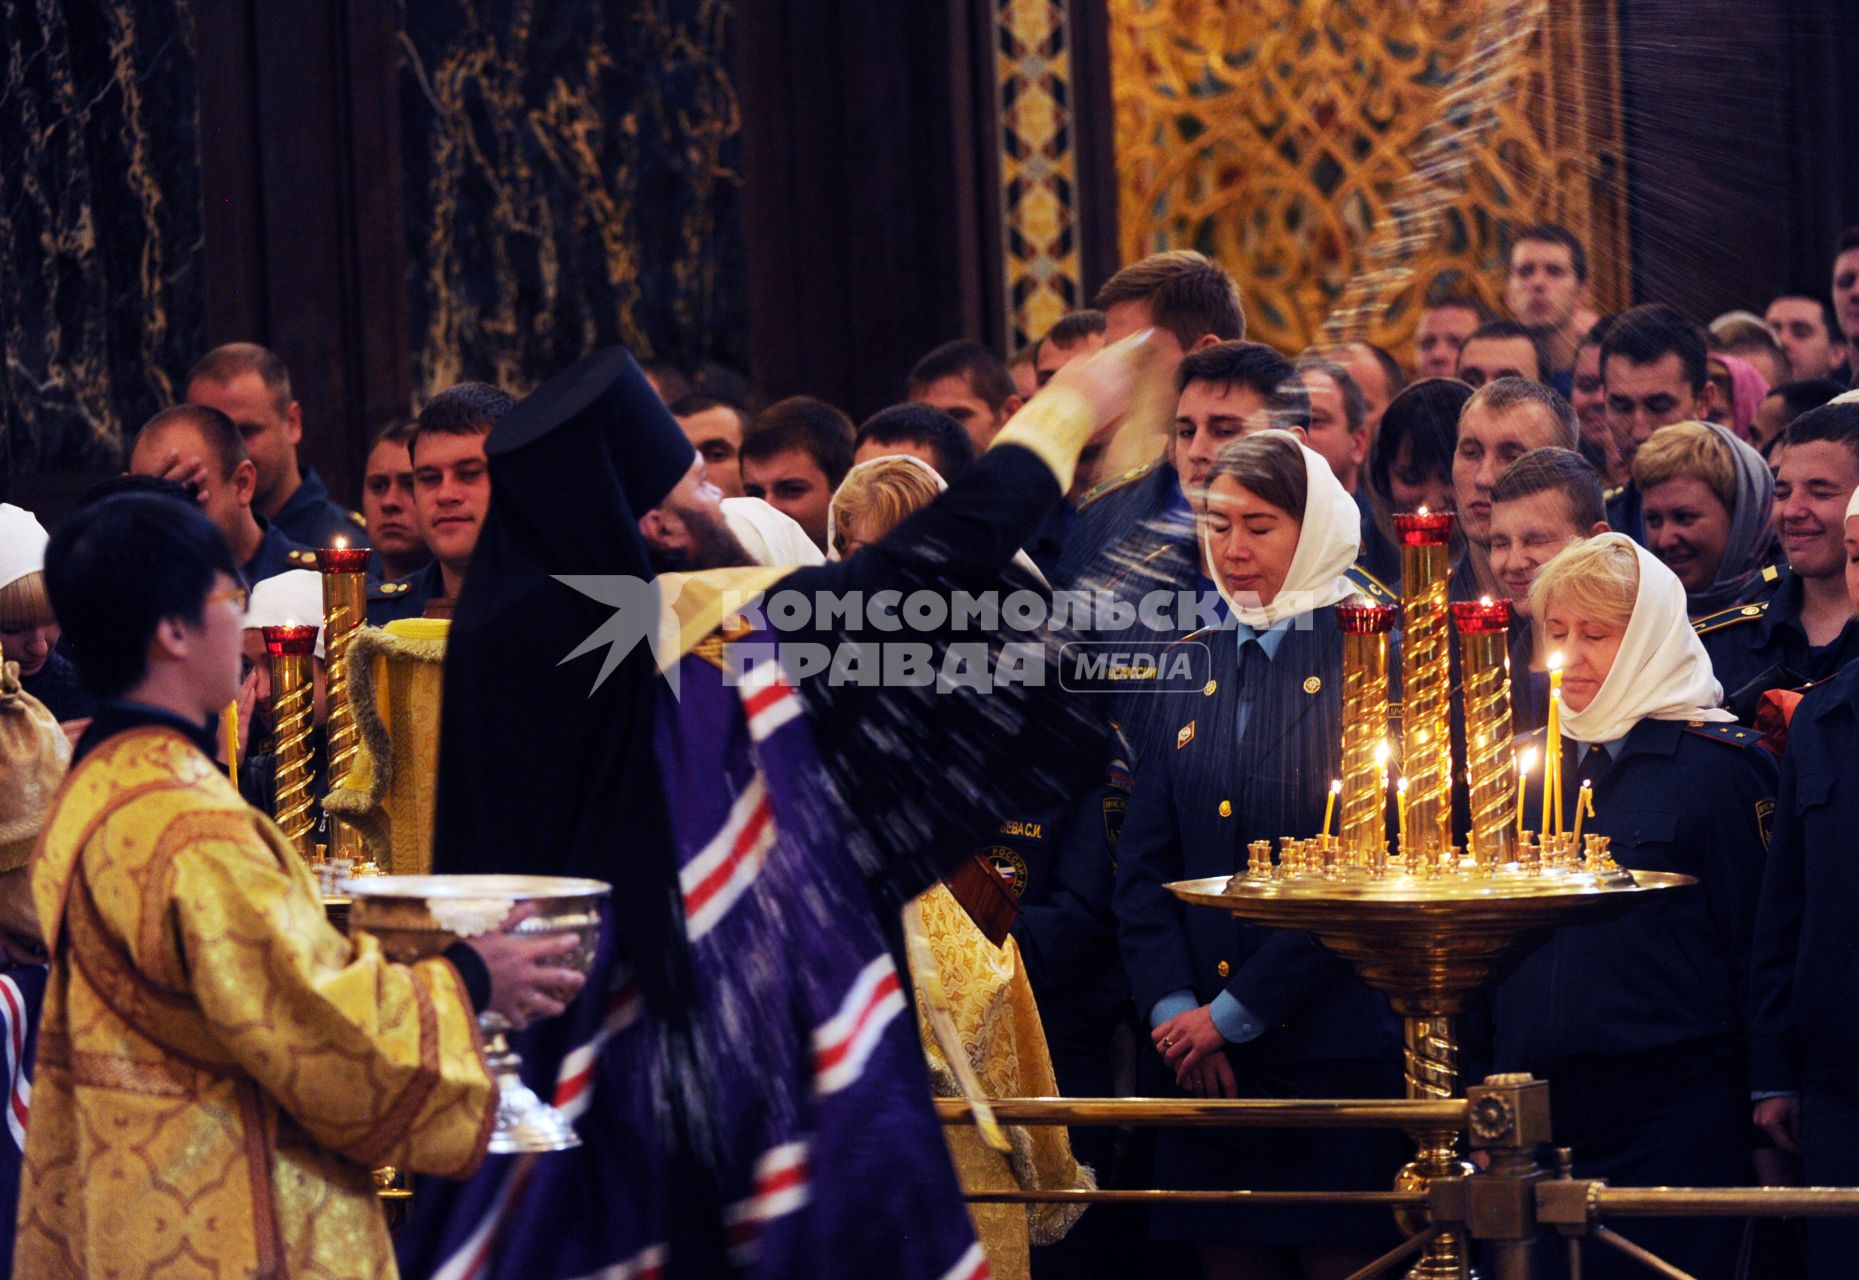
[
  {"x": 1175, "y": 1002},
  {"x": 1234, "y": 1020},
  {"x": 1763, "y": 1095}
]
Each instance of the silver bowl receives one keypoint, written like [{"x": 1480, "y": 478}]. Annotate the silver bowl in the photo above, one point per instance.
[{"x": 417, "y": 917}]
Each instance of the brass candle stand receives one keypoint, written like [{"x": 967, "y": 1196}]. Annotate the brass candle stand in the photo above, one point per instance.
[
  {"x": 1426, "y": 684},
  {"x": 1484, "y": 664},
  {"x": 1365, "y": 729},
  {"x": 345, "y": 605},
  {"x": 289, "y": 651}
]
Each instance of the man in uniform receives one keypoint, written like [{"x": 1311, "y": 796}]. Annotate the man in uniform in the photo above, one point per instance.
[
  {"x": 451, "y": 494},
  {"x": 388, "y": 507},
  {"x": 1503, "y": 421},
  {"x": 204, "y": 445},
  {"x": 250, "y": 385},
  {"x": 1190, "y": 303},
  {"x": 1805, "y": 630},
  {"x": 1654, "y": 367}
]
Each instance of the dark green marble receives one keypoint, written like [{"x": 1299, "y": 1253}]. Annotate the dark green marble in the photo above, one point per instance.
[
  {"x": 571, "y": 180},
  {"x": 101, "y": 298}
]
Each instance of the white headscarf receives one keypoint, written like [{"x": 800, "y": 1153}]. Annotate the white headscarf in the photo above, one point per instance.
[
  {"x": 773, "y": 537},
  {"x": 1021, "y": 560},
  {"x": 1661, "y": 672},
  {"x": 22, "y": 544},
  {"x": 1852, "y": 505},
  {"x": 293, "y": 598},
  {"x": 1328, "y": 542}
]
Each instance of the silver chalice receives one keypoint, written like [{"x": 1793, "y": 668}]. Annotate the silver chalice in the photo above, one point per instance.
[{"x": 418, "y": 917}]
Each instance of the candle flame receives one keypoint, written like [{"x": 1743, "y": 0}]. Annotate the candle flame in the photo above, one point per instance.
[
  {"x": 1422, "y": 511},
  {"x": 1484, "y": 602},
  {"x": 1402, "y": 786},
  {"x": 342, "y": 544},
  {"x": 1336, "y": 786},
  {"x": 1555, "y": 661},
  {"x": 1382, "y": 752},
  {"x": 1528, "y": 762}
]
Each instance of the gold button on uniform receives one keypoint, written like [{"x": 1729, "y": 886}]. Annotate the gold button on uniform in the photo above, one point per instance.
[
  {"x": 1207, "y": 690},
  {"x": 1226, "y": 808},
  {"x": 1312, "y": 684},
  {"x": 1224, "y": 969}
]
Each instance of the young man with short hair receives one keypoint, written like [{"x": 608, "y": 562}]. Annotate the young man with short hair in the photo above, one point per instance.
[
  {"x": 1547, "y": 291},
  {"x": 1501, "y": 349},
  {"x": 250, "y": 385},
  {"x": 1541, "y": 503},
  {"x": 969, "y": 383},
  {"x": 1805, "y": 630},
  {"x": 1446, "y": 321},
  {"x": 451, "y": 495},
  {"x": 387, "y": 504},
  {"x": 1808, "y": 330},
  {"x": 205, "y": 446},
  {"x": 797, "y": 452},
  {"x": 1654, "y": 367},
  {"x": 1077, "y": 334},
  {"x": 919, "y": 431},
  {"x": 715, "y": 428},
  {"x": 1503, "y": 421}
]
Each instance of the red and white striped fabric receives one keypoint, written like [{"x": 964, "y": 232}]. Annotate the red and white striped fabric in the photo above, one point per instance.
[
  {"x": 574, "y": 1083},
  {"x": 13, "y": 1038},
  {"x": 768, "y": 699},
  {"x": 471, "y": 1259},
  {"x": 844, "y": 1043},
  {"x": 780, "y": 1188},
  {"x": 724, "y": 869},
  {"x": 647, "y": 1264},
  {"x": 972, "y": 1265}
]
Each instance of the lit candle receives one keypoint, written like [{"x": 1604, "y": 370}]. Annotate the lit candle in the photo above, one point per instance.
[
  {"x": 1584, "y": 806},
  {"x": 1552, "y": 750},
  {"x": 231, "y": 720},
  {"x": 1329, "y": 806},
  {"x": 1400, "y": 802},
  {"x": 1525, "y": 763}
]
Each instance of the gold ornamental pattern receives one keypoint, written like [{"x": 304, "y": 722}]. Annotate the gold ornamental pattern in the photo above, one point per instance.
[{"x": 1285, "y": 139}]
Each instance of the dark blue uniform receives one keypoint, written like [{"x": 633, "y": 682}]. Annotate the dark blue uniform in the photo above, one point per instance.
[
  {"x": 310, "y": 518},
  {"x": 1111, "y": 511},
  {"x": 1761, "y": 645},
  {"x": 1199, "y": 799},
  {"x": 405, "y": 598},
  {"x": 1623, "y": 512},
  {"x": 1805, "y": 973},
  {"x": 1638, "y": 1023},
  {"x": 276, "y": 554},
  {"x": 56, "y": 684}
]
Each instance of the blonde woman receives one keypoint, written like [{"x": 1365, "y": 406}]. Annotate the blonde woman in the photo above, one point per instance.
[{"x": 1638, "y": 1023}]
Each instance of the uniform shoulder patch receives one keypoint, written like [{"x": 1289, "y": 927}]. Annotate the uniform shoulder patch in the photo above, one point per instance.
[
  {"x": 360, "y": 520},
  {"x": 1732, "y": 735},
  {"x": 301, "y": 558},
  {"x": 391, "y": 589},
  {"x": 1709, "y": 622},
  {"x": 1613, "y": 494},
  {"x": 1115, "y": 483},
  {"x": 1371, "y": 586}
]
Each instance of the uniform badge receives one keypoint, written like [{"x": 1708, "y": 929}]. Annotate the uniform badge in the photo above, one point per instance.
[
  {"x": 1765, "y": 819},
  {"x": 1010, "y": 866},
  {"x": 1186, "y": 735},
  {"x": 1312, "y": 684},
  {"x": 1115, "y": 807}
]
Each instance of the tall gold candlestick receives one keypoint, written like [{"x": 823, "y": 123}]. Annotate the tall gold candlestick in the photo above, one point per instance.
[
  {"x": 1365, "y": 729},
  {"x": 1426, "y": 680},
  {"x": 344, "y": 608},
  {"x": 1484, "y": 666},
  {"x": 289, "y": 650}
]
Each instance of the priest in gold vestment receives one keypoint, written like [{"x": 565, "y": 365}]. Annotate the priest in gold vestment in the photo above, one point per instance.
[{"x": 218, "y": 1068}]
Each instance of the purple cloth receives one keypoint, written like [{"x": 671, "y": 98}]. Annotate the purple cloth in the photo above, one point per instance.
[
  {"x": 830, "y": 1160},
  {"x": 22, "y": 995}
]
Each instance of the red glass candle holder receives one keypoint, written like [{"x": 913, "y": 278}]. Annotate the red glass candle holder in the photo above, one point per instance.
[
  {"x": 1366, "y": 619},
  {"x": 1424, "y": 528},
  {"x": 1481, "y": 617},
  {"x": 290, "y": 641}
]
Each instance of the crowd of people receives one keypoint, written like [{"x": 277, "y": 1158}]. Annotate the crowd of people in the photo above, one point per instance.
[{"x": 1665, "y": 505}]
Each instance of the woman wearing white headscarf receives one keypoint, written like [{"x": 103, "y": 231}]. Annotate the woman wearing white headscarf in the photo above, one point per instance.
[
  {"x": 1239, "y": 1010},
  {"x": 1638, "y": 1024}
]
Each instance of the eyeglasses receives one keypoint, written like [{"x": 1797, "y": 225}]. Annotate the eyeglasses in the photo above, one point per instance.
[{"x": 238, "y": 595}]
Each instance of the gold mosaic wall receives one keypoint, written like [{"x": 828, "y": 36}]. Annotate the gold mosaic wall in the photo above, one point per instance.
[
  {"x": 1281, "y": 137},
  {"x": 1039, "y": 166}
]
